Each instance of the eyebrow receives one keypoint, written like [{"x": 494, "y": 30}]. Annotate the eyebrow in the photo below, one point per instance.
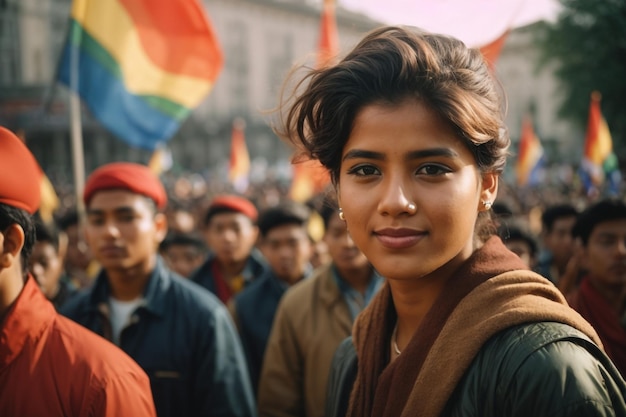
[{"x": 425, "y": 153}]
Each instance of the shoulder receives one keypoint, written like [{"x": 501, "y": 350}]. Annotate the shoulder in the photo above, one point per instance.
[
  {"x": 305, "y": 290},
  {"x": 256, "y": 287},
  {"x": 74, "y": 306},
  {"x": 343, "y": 373},
  {"x": 89, "y": 352},
  {"x": 553, "y": 363}
]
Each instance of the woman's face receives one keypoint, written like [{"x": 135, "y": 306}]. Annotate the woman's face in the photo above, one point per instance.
[{"x": 405, "y": 154}]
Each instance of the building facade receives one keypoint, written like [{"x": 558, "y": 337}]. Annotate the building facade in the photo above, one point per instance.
[{"x": 261, "y": 40}]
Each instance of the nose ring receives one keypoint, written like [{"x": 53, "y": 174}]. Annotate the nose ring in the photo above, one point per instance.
[{"x": 411, "y": 207}]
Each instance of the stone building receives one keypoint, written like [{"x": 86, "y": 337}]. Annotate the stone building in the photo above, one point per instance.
[{"x": 261, "y": 40}]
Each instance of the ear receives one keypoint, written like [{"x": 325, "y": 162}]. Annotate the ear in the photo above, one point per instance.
[
  {"x": 11, "y": 245},
  {"x": 160, "y": 225},
  {"x": 489, "y": 189}
]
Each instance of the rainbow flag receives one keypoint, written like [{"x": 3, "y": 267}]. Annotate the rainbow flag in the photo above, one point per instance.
[
  {"x": 239, "y": 164},
  {"x": 530, "y": 156},
  {"x": 599, "y": 161},
  {"x": 141, "y": 66}
]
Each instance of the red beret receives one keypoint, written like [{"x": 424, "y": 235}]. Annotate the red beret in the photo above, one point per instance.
[
  {"x": 20, "y": 175},
  {"x": 126, "y": 176},
  {"x": 235, "y": 203}
]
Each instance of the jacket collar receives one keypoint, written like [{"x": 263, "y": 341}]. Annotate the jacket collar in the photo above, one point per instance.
[
  {"x": 154, "y": 295},
  {"x": 26, "y": 321}
]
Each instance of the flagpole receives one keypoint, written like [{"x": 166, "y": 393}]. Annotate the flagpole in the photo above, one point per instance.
[{"x": 76, "y": 129}]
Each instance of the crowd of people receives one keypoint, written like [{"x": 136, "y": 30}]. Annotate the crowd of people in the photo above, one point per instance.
[{"x": 410, "y": 287}]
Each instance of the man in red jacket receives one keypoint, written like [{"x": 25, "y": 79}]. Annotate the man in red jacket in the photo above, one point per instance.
[{"x": 50, "y": 366}]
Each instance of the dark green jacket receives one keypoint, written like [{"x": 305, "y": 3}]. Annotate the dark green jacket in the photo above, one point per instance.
[{"x": 538, "y": 369}]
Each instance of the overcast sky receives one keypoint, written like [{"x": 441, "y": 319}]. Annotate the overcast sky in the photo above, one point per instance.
[{"x": 476, "y": 22}]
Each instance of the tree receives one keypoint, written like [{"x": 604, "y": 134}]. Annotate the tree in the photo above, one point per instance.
[{"x": 587, "y": 45}]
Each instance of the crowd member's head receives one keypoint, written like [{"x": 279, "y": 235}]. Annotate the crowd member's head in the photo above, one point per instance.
[
  {"x": 284, "y": 240},
  {"x": 601, "y": 229},
  {"x": 19, "y": 199},
  {"x": 183, "y": 253},
  {"x": 519, "y": 241},
  {"x": 343, "y": 252},
  {"x": 46, "y": 261},
  {"x": 125, "y": 221},
  {"x": 410, "y": 126},
  {"x": 557, "y": 222},
  {"x": 230, "y": 228},
  {"x": 78, "y": 257}
]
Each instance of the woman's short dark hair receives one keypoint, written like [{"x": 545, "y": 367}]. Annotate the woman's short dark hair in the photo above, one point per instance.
[
  {"x": 390, "y": 65},
  {"x": 11, "y": 215}
]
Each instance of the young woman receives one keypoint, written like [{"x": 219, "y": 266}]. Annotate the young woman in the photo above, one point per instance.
[{"x": 409, "y": 125}]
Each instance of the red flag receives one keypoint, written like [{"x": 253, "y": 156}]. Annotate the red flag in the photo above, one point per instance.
[
  {"x": 328, "y": 47},
  {"x": 492, "y": 50},
  {"x": 239, "y": 167},
  {"x": 310, "y": 177}
]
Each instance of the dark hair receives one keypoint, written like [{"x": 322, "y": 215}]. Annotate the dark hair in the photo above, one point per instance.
[
  {"x": 551, "y": 214},
  {"x": 600, "y": 212},
  {"x": 47, "y": 233},
  {"x": 11, "y": 215},
  {"x": 68, "y": 219},
  {"x": 390, "y": 65},
  {"x": 182, "y": 239},
  {"x": 288, "y": 212},
  {"x": 328, "y": 209},
  {"x": 514, "y": 231}
]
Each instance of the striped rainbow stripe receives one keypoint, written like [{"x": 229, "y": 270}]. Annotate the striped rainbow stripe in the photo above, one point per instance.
[{"x": 142, "y": 65}]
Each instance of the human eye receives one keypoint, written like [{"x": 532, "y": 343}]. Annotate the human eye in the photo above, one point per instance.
[
  {"x": 95, "y": 220},
  {"x": 433, "y": 170},
  {"x": 363, "y": 170}
]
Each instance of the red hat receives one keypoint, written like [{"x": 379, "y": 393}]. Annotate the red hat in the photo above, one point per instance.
[
  {"x": 126, "y": 176},
  {"x": 234, "y": 203},
  {"x": 20, "y": 175}
]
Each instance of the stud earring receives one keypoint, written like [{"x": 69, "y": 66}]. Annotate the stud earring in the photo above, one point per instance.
[
  {"x": 487, "y": 204},
  {"x": 411, "y": 207},
  {"x": 341, "y": 216}
]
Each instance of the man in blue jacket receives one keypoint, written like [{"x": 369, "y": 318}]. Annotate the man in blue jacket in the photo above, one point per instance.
[
  {"x": 179, "y": 333},
  {"x": 286, "y": 245}
]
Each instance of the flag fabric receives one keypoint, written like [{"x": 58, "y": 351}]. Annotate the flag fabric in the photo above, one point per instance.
[
  {"x": 491, "y": 51},
  {"x": 49, "y": 199},
  {"x": 310, "y": 177},
  {"x": 239, "y": 165},
  {"x": 530, "y": 156},
  {"x": 599, "y": 161},
  {"x": 328, "y": 46},
  {"x": 161, "y": 160},
  {"x": 140, "y": 66}
]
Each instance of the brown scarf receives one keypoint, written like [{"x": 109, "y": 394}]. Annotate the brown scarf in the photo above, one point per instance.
[{"x": 491, "y": 292}]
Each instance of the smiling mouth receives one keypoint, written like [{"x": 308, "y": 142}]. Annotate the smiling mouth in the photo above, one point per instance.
[{"x": 399, "y": 239}]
